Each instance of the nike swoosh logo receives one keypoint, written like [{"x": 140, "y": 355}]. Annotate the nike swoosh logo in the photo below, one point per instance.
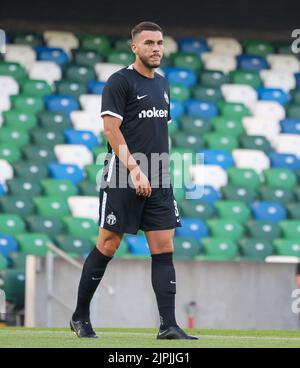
[
  {"x": 95, "y": 279},
  {"x": 161, "y": 332},
  {"x": 140, "y": 97},
  {"x": 172, "y": 282}
]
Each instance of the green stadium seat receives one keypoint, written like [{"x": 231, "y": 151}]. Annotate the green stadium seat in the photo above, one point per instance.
[
  {"x": 255, "y": 143},
  {"x": 293, "y": 111},
  {"x": 9, "y": 153},
  {"x": 256, "y": 248},
  {"x": 185, "y": 248},
  {"x": 93, "y": 172},
  {"x": 52, "y": 227},
  {"x": 287, "y": 247},
  {"x": 235, "y": 193},
  {"x": 247, "y": 178},
  {"x": 54, "y": 120},
  {"x": 121, "y": 57},
  {"x": 3, "y": 262},
  {"x": 40, "y": 154},
  {"x": 14, "y": 70},
  {"x": 82, "y": 227},
  {"x": 290, "y": 229},
  {"x": 33, "y": 243},
  {"x": 20, "y": 120},
  {"x": 224, "y": 125},
  {"x": 14, "y": 137},
  {"x": 37, "y": 88},
  {"x": 212, "y": 94},
  {"x": 11, "y": 224},
  {"x": 251, "y": 78},
  {"x": 260, "y": 48},
  {"x": 263, "y": 230},
  {"x": 14, "y": 287},
  {"x": 59, "y": 188},
  {"x": 79, "y": 73},
  {"x": 187, "y": 60},
  {"x": 233, "y": 109},
  {"x": 173, "y": 128},
  {"x": 47, "y": 138},
  {"x": 28, "y": 103},
  {"x": 179, "y": 92},
  {"x": 98, "y": 43},
  {"x": 87, "y": 57},
  {"x": 283, "y": 196},
  {"x": 18, "y": 260},
  {"x": 280, "y": 178},
  {"x": 23, "y": 187},
  {"x": 75, "y": 246},
  {"x": 53, "y": 207},
  {"x": 196, "y": 209},
  {"x": 122, "y": 251},
  {"x": 187, "y": 140},
  {"x": 213, "y": 78},
  {"x": 32, "y": 170},
  {"x": 226, "y": 229},
  {"x": 179, "y": 194},
  {"x": 295, "y": 94},
  {"x": 88, "y": 188},
  {"x": 193, "y": 125},
  {"x": 99, "y": 150},
  {"x": 70, "y": 88},
  {"x": 220, "y": 249},
  {"x": 18, "y": 205},
  {"x": 216, "y": 141},
  {"x": 233, "y": 210},
  {"x": 28, "y": 38},
  {"x": 122, "y": 44}
]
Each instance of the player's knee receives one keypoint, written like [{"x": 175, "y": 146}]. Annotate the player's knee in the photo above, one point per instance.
[
  {"x": 163, "y": 247},
  {"x": 108, "y": 246}
]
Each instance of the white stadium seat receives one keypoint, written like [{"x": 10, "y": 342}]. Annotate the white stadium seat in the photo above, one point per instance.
[
  {"x": 287, "y": 143},
  {"x": 8, "y": 86},
  {"x": 76, "y": 154},
  {"x": 64, "y": 42},
  {"x": 6, "y": 171},
  {"x": 105, "y": 70},
  {"x": 214, "y": 61},
  {"x": 4, "y": 103},
  {"x": 224, "y": 45},
  {"x": 83, "y": 120},
  {"x": 22, "y": 54},
  {"x": 170, "y": 45},
  {"x": 268, "y": 128},
  {"x": 240, "y": 93},
  {"x": 251, "y": 159},
  {"x": 276, "y": 79},
  {"x": 45, "y": 70},
  {"x": 84, "y": 206},
  {"x": 62, "y": 34},
  {"x": 91, "y": 103},
  {"x": 268, "y": 110},
  {"x": 284, "y": 63},
  {"x": 211, "y": 175}
]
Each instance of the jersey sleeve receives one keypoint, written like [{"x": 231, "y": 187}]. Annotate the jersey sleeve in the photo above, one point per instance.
[{"x": 114, "y": 96}]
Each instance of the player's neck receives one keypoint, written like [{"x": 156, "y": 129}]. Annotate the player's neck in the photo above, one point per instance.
[{"x": 142, "y": 69}]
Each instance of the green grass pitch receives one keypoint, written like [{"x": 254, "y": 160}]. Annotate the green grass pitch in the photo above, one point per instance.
[{"x": 145, "y": 338}]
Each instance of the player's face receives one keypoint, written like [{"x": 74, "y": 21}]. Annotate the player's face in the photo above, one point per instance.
[{"x": 148, "y": 46}]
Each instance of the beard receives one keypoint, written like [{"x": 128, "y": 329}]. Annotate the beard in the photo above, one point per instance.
[{"x": 150, "y": 64}]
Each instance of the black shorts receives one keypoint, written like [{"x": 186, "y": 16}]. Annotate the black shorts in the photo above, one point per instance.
[{"x": 123, "y": 211}]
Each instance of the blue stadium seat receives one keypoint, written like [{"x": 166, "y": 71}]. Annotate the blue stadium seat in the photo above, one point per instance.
[
  {"x": 190, "y": 44},
  {"x": 210, "y": 194},
  {"x": 285, "y": 160},
  {"x": 2, "y": 190},
  {"x": 273, "y": 94},
  {"x": 297, "y": 77},
  {"x": 268, "y": 211},
  {"x": 57, "y": 55},
  {"x": 201, "y": 108},
  {"x": 137, "y": 245},
  {"x": 290, "y": 126},
  {"x": 95, "y": 87},
  {"x": 176, "y": 109},
  {"x": 192, "y": 228},
  {"x": 252, "y": 62},
  {"x": 84, "y": 137},
  {"x": 8, "y": 244},
  {"x": 64, "y": 104},
  {"x": 68, "y": 172},
  {"x": 221, "y": 158},
  {"x": 181, "y": 76}
]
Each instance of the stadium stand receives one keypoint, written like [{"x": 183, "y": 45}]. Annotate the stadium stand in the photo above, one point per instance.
[{"x": 235, "y": 102}]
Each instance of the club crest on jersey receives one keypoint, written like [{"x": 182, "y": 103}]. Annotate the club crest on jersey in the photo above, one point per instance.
[
  {"x": 111, "y": 219},
  {"x": 166, "y": 98}
]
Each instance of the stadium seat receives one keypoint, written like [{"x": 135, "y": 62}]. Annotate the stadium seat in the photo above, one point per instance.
[
  {"x": 186, "y": 248},
  {"x": 273, "y": 94},
  {"x": 14, "y": 287},
  {"x": 45, "y": 70},
  {"x": 37, "y": 88},
  {"x": 285, "y": 161},
  {"x": 251, "y": 159},
  {"x": 246, "y": 77},
  {"x": 8, "y": 245},
  {"x": 287, "y": 143},
  {"x": 45, "y": 225},
  {"x": 290, "y": 229},
  {"x": 8, "y": 86},
  {"x": 240, "y": 93},
  {"x": 221, "y": 158},
  {"x": 284, "y": 63},
  {"x": 226, "y": 229},
  {"x": 187, "y": 60},
  {"x": 70, "y": 88},
  {"x": 53, "y": 120},
  {"x": 251, "y": 63},
  {"x": 196, "y": 209},
  {"x": 181, "y": 76},
  {"x": 211, "y": 175},
  {"x": 237, "y": 193},
  {"x": 276, "y": 79},
  {"x": 123, "y": 57},
  {"x": 170, "y": 45},
  {"x": 261, "y": 126},
  {"x": 18, "y": 205},
  {"x": 187, "y": 140},
  {"x": 58, "y": 188},
  {"x": 220, "y": 249},
  {"x": 19, "y": 120},
  {"x": 18, "y": 260},
  {"x": 53, "y": 54},
  {"x": 287, "y": 247},
  {"x": 268, "y": 211},
  {"x": 212, "y": 94},
  {"x": 233, "y": 210},
  {"x": 255, "y": 142},
  {"x": 290, "y": 126},
  {"x": 86, "y": 57},
  {"x": 225, "y": 125},
  {"x": 179, "y": 92},
  {"x": 247, "y": 178},
  {"x": 192, "y": 228},
  {"x": 258, "y": 47},
  {"x": 21, "y": 54},
  {"x": 99, "y": 43},
  {"x": 224, "y": 45},
  {"x": 280, "y": 195},
  {"x": 14, "y": 70},
  {"x": 32, "y": 170},
  {"x": 88, "y": 188},
  {"x": 137, "y": 245},
  {"x": 27, "y": 103},
  {"x": 83, "y": 120},
  {"x": 66, "y": 171},
  {"x": 33, "y": 243},
  {"x": 74, "y": 245},
  {"x": 27, "y": 38},
  {"x": 233, "y": 110},
  {"x": 81, "y": 137},
  {"x": 201, "y": 108},
  {"x": 294, "y": 210},
  {"x": 84, "y": 207},
  {"x": 79, "y": 73},
  {"x": 11, "y": 224},
  {"x": 105, "y": 70},
  {"x": 192, "y": 44},
  {"x": 73, "y": 154},
  {"x": 280, "y": 178},
  {"x": 23, "y": 187},
  {"x": 53, "y": 207},
  {"x": 5, "y": 103},
  {"x": 263, "y": 230},
  {"x": 222, "y": 141},
  {"x": 9, "y": 153},
  {"x": 63, "y": 104},
  {"x": 213, "y": 78},
  {"x": 3, "y": 261},
  {"x": 36, "y": 153},
  {"x": 221, "y": 62},
  {"x": 81, "y": 227},
  {"x": 90, "y": 103},
  {"x": 256, "y": 249}
]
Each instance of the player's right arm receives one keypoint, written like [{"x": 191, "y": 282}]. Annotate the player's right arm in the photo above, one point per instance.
[{"x": 114, "y": 99}]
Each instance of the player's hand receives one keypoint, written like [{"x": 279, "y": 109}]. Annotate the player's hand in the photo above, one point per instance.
[{"x": 140, "y": 182}]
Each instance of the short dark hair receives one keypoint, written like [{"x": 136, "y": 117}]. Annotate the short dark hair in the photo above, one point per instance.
[{"x": 145, "y": 26}]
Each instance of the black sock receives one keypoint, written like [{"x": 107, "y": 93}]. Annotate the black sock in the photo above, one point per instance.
[
  {"x": 164, "y": 285},
  {"x": 92, "y": 273}
]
